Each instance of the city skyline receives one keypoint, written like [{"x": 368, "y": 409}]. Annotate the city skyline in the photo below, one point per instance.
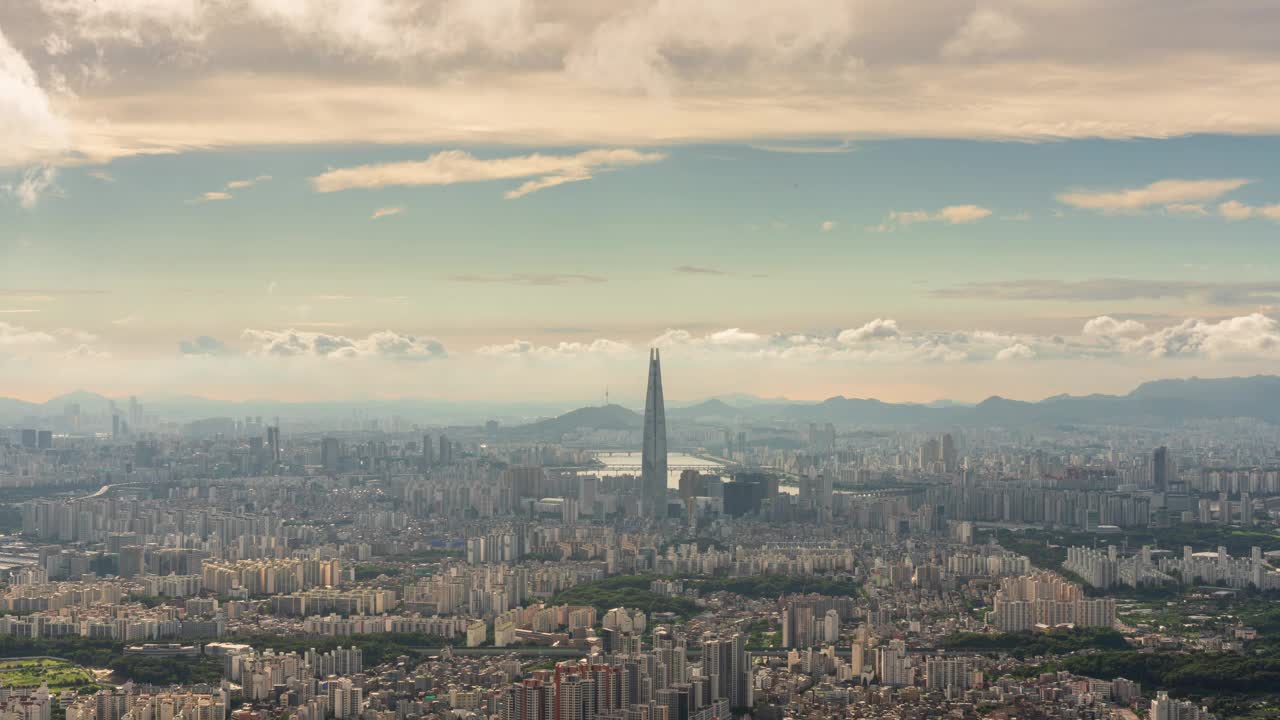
[{"x": 323, "y": 323}]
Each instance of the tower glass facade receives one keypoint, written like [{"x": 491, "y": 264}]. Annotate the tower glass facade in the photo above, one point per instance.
[{"x": 653, "y": 459}]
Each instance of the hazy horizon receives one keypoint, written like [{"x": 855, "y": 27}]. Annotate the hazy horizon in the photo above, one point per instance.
[{"x": 624, "y": 397}]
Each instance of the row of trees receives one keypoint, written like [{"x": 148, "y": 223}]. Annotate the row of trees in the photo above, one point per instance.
[
  {"x": 376, "y": 649},
  {"x": 1026, "y": 644},
  {"x": 624, "y": 591},
  {"x": 109, "y": 654},
  {"x": 1196, "y": 674}
]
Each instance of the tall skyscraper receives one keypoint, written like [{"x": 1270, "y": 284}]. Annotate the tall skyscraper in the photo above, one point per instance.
[
  {"x": 273, "y": 444},
  {"x": 949, "y": 454},
  {"x": 1160, "y": 469},
  {"x": 135, "y": 413},
  {"x": 330, "y": 450},
  {"x": 653, "y": 459}
]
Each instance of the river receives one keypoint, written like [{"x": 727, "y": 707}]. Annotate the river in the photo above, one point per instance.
[{"x": 628, "y": 463}]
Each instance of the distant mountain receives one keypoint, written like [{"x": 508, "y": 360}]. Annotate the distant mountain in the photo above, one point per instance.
[
  {"x": 746, "y": 400},
  {"x": 713, "y": 408},
  {"x": 325, "y": 414},
  {"x": 599, "y": 417},
  {"x": 1157, "y": 403},
  {"x": 947, "y": 404},
  {"x": 1160, "y": 402},
  {"x": 14, "y": 409},
  {"x": 88, "y": 402}
]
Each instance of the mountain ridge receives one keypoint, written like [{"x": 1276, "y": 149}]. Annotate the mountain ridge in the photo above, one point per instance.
[{"x": 1157, "y": 401}]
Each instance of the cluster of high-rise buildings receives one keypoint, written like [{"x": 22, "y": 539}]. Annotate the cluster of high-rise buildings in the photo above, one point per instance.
[
  {"x": 136, "y": 704},
  {"x": 270, "y": 577},
  {"x": 1047, "y": 600},
  {"x": 811, "y": 573},
  {"x": 630, "y": 683}
]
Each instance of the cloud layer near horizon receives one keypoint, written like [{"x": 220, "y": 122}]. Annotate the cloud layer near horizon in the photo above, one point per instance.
[
  {"x": 634, "y": 72},
  {"x": 1256, "y": 335},
  {"x": 302, "y": 363}
]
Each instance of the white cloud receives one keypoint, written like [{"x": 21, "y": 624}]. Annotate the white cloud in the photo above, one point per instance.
[
  {"x": 385, "y": 212},
  {"x": 1235, "y": 210},
  {"x": 32, "y": 130},
  {"x": 1172, "y": 193},
  {"x": 75, "y": 335},
  {"x": 127, "y": 320},
  {"x": 381, "y": 344},
  {"x": 827, "y": 225},
  {"x": 34, "y": 184},
  {"x": 524, "y": 348},
  {"x": 1254, "y": 335},
  {"x": 877, "y": 329},
  {"x": 986, "y": 32},
  {"x": 1016, "y": 351},
  {"x": 1105, "y": 326},
  {"x": 84, "y": 351},
  {"x": 404, "y": 30},
  {"x": 673, "y": 338},
  {"x": 1248, "y": 337},
  {"x": 656, "y": 47},
  {"x": 729, "y": 338},
  {"x": 457, "y": 166},
  {"x": 16, "y": 335},
  {"x": 735, "y": 337},
  {"x": 56, "y": 45},
  {"x": 962, "y": 214},
  {"x": 515, "y": 347},
  {"x": 391, "y": 344},
  {"x": 247, "y": 183},
  {"x": 225, "y": 73},
  {"x": 878, "y": 341},
  {"x": 131, "y": 21},
  {"x": 952, "y": 214},
  {"x": 223, "y": 194},
  {"x": 529, "y": 187},
  {"x": 46, "y": 347}
]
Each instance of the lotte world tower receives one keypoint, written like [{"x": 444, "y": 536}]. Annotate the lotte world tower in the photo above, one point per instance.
[{"x": 653, "y": 459}]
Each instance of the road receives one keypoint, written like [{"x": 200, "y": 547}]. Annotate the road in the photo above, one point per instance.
[{"x": 533, "y": 652}]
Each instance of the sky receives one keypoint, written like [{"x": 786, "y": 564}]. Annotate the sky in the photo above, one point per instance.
[{"x": 514, "y": 199}]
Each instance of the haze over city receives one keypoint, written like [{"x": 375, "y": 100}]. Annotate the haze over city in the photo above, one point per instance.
[{"x": 639, "y": 360}]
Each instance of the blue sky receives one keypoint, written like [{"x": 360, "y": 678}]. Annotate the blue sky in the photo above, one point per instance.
[{"x": 340, "y": 221}]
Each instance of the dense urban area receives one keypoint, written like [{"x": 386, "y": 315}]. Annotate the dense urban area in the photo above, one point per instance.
[
  {"x": 685, "y": 563},
  {"x": 639, "y": 359}
]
